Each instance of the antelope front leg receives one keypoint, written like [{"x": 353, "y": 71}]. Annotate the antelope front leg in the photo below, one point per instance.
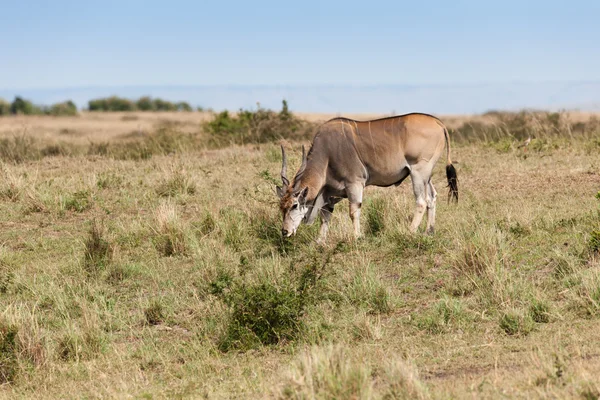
[
  {"x": 325, "y": 214},
  {"x": 354, "y": 193},
  {"x": 355, "y": 217}
]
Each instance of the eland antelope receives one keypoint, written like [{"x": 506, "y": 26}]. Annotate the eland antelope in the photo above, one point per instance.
[{"x": 347, "y": 155}]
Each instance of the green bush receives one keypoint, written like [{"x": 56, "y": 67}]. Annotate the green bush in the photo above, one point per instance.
[
  {"x": 183, "y": 106},
  {"x": 262, "y": 314},
  {"x": 258, "y": 126},
  {"x": 21, "y": 106},
  {"x": 64, "y": 108},
  {"x": 112, "y": 103},
  {"x": 4, "y": 107},
  {"x": 145, "y": 104},
  {"x": 25, "y": 107},
  {"x": 163, "y": 105},
  {"x": 221, "y": 283}
]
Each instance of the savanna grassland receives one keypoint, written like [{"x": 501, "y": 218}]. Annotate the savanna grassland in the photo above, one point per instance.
[{"x": 141, "y": 257}]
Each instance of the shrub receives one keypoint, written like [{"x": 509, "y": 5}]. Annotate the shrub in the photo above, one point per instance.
[
  {"x": 222, "y": 282},
  {"x": 22, "y": 106},
  {"x": 26, "y": 107},
  {"x": 4, "y": 107},
  {"x": 64, "y": 108},
  {"x": 263, "y": 314},
  {"x": 113, "y": 103},
  {"x": 145, "y": 104},
  {"x": 258, "y": 126},
  {"x": 183, "y": 106}
]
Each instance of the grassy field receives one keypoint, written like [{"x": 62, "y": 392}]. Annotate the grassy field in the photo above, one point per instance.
[{"x": 164, "y": 274}]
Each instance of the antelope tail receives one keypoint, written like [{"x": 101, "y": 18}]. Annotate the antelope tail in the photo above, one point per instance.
[{"x": 450, "y": 172}]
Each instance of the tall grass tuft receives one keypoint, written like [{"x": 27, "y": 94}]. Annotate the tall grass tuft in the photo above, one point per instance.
[
  {"x": 374, "y": 216},
  {"x": 328, "y": 373},
  {"x": 178, "y": 183},
  {"x": 155, "y": 313},
  {"x": 516, "y": 322},
  {"x": 9, "y": 364},
  {"x": 98, "y": 251},
  {"x": 170, "y": 237},
  {"x": 19, "y": 149},
  {"x": 335, "y": 372}
]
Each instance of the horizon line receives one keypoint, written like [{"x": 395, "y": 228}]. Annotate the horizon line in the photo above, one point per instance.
[{"x": 303, "y": 85}]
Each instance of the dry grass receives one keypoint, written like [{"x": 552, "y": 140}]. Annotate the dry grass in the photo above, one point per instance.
[
  {"x": 98, "y": 127},
  {"x": 504, "y": 301}
]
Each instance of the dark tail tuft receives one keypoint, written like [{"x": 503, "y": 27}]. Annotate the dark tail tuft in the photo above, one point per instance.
[{"x": 452, "y": 183}]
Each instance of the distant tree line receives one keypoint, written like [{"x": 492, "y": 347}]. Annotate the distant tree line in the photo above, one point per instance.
[
  {"x": 26, "y": 107},
  {"x": 145, "y": 103},
  {"x": 21, "y": 106}
]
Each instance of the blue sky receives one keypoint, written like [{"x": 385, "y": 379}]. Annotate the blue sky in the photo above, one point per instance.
[{"x": 127, "y": 43}]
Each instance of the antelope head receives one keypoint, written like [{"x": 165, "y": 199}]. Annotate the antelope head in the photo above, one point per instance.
[{"x": 292, "y": 197}]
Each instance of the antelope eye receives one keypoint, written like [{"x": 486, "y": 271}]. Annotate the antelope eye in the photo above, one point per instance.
[{"x": 295, "y": 206}]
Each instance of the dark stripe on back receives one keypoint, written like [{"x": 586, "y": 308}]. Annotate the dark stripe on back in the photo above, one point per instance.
[{"x": 384, "y": 118}]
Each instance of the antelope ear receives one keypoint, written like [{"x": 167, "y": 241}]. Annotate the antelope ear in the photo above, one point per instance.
[{"x": 280, "y": 191}]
